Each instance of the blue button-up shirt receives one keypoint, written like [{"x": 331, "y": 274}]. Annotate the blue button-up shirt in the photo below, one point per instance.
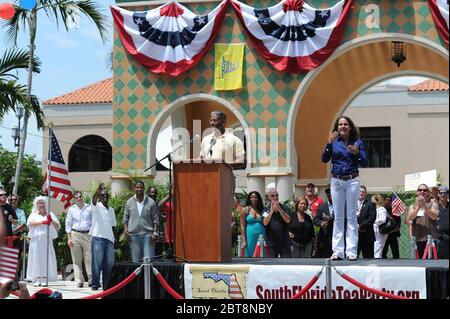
[
  {"x": 79, "y": 219},
  {"x": 344, "y": 162}
]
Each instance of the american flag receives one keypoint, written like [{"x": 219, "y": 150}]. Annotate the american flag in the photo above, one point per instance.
[
  {"x": 234, "y": 288},
  {"x": 9, "y": 259},
  {"x": 60, "y": 188},
  {"x": 398, "y": 208}
]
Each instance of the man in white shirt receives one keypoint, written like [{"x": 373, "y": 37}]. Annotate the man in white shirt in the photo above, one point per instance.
[
  {"x": 221, "y": 145},
  {"x": 103, "y": 221},
  {"x": 78, "y": 224}
]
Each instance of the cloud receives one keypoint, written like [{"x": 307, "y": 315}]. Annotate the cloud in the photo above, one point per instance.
[
  {"x": 405, "y": 80},
  {"x": 91, "y": 33},
  {"x": 62, "y": 41}
]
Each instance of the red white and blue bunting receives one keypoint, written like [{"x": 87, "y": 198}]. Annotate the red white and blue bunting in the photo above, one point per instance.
[
  {"x": 293, "y": 36},
  {"x": 169, "y": 39},
  {"x": 439, "y": 11}
]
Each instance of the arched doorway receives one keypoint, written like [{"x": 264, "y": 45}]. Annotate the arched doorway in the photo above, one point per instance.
[
  {"x": 192, "y": 113},
  {"x": 91, "y": 153}
]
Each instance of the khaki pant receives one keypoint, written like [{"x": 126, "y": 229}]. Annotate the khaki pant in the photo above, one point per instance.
[{"x": 81, "y": 249}]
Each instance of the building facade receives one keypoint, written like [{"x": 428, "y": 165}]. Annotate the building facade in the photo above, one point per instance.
[{"x": 294, "y": 111}]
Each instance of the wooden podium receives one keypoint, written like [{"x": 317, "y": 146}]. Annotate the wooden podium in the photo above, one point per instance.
[{"x": 203, "y": 206}]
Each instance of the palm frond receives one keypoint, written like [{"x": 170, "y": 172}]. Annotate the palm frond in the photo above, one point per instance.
[
  {"x": 94, "y": 13},
  {"x": 11, "y": 93},
  {"x": 14, "y": 59},
  {"x": 35, "y": 108},
  {"x": 60, "y": 11},
  {"x": 13, "y": 26}
]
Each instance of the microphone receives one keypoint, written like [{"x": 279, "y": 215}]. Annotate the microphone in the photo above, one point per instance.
[
  {"x": 196, "y": 137},
  {"x": 211, "y": 144}
]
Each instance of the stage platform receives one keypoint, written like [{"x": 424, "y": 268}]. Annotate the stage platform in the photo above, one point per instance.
[{"x": 436, "y": 273}]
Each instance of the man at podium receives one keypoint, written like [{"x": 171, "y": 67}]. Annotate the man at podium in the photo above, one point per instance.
[{"x": 221, "y": 146}]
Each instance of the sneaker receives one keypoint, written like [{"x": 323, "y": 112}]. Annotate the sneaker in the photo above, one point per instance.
[{"x": 37, "y": 284}]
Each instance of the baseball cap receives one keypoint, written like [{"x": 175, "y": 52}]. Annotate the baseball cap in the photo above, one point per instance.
[
  {"x": 43, "y": 293},
  {"x": 443, "y": 189}
]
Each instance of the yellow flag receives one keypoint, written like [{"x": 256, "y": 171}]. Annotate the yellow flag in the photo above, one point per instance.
[{"x": 229, "y": 60}]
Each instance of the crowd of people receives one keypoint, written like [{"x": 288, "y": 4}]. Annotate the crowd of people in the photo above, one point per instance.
[
  {"x": 90, "y": 236},
  {"x": 302, "y": 233}
]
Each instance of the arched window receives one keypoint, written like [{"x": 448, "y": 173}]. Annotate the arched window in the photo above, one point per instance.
[{"x": 90, "y": 153}]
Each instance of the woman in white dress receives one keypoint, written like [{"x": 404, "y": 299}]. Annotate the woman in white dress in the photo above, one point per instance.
[
  {"x": 380, "y": 239},
  {"x": 38, "y": 223}
]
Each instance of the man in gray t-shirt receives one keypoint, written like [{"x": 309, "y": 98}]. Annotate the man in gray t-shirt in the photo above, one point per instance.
[{"x": 141, "y": 221}]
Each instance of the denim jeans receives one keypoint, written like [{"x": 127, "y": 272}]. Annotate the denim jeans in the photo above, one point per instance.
[
  {"x": 345, "y": 203},
  {"x": 141, "y": 246},
  {"x": 102, "y": 260}
]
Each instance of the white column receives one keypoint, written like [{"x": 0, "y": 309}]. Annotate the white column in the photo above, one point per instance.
[
  {"x": 256, "y": 183},
  {"x": 285, "y": 187},
  {"x": 118, "y": 185}
]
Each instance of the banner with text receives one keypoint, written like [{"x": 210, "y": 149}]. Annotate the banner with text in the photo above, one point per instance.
[
  {"x": 282, "y": 282},
  {"x": 215, "y": 281},
  {"x": 412, "y": 181}
]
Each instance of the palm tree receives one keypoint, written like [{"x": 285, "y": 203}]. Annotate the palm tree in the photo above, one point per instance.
[
  {"x": 60, "y": 11},
  {"x": 12, "y": 93}
]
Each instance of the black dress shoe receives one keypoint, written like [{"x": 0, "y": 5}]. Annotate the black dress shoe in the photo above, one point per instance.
[
  {"x": 94, "y": 288},
  {"x": 335, "y": 257}
]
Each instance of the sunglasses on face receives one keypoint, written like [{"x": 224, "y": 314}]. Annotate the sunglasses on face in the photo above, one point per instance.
[
  {"x": 422, "y": 190},
  {"x": 14, "y": 199},
  {"x": 78, "y": 197},
  {"x": 4, "y": 194},
  {"x": 443, "y": 193}
]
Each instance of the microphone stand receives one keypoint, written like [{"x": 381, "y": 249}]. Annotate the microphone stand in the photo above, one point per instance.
[{"x": 170, "y": 255}]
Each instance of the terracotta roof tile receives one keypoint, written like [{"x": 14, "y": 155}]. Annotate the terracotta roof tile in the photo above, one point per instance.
[
  {"x": 99, "y": 92},
  {"x": 429, "y": 85}
]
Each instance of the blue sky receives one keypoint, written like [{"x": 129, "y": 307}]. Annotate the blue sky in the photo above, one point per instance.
[{"x": 70, "y": 60}]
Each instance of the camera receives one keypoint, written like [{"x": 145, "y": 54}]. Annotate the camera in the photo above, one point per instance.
[{"x": 13, "y": 286}]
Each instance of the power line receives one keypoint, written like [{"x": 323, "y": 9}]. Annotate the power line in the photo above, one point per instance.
[{"x": 63, "y": 142}]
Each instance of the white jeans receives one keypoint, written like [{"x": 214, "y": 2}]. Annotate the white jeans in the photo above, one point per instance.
[
  {"x": 345, "y": 199},
  {"x": 380, "y": 241}
]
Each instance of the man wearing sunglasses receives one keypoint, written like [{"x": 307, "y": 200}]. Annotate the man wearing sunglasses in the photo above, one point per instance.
[
  {"x": 9, "y": 213},
  {"x": 422, "y": 218},
  {"x": 78, "y": 225}
]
